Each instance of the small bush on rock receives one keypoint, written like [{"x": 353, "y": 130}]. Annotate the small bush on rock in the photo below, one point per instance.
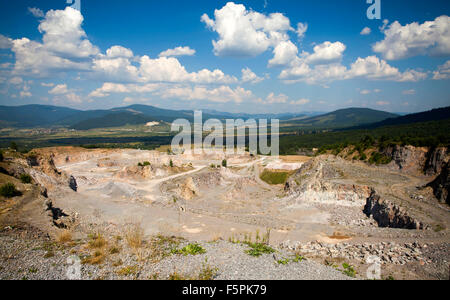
[{"x": 8, "y": 190}]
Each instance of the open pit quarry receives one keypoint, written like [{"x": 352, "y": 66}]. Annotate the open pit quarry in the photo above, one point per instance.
[{"x": 330, "y": 212}]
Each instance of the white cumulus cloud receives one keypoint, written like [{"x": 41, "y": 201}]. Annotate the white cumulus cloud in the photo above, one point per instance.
[
  {"x": 244, "y": 32},
  {"x": 326, "y": 53},
  {"x": 430, "y": 38},
  {"x": 301, "y": 30},
  {"x": 37, "y": 12},
  {"x": 119, "y": 51},
  {"x": 60, "y": 89},
  {"x": 443, "y": 72},
  {"x": 284, "y": 54},
  {"x": 366, "y": 31},
  {"x": 249, "y": 76},
  {"x": 178, "y": 51},
  {"x": 5, "y": 42}
]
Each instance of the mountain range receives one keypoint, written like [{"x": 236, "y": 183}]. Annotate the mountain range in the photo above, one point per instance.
[{"x": 30, "y": 116}]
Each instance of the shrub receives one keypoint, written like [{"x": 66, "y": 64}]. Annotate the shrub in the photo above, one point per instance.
[
  {"x": 14, "y": 146},
  {"x": 8, "y": 190},
  {"x": 224, "y": 163},
  {"x": 25, "y": 178},
  {"x": 379, "y": 159},
  {"x": 171, "y": 163}
]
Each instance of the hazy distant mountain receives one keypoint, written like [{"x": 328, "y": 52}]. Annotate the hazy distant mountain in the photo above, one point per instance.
[
  {"x": 432, "y": 115},
  {"x": 280, "y": 116},
  {"x": 344, "y": 118},
  {"x": 115, "y": 119},
  {"x": 33, "y": 115},
  {"x": 48, "y": 116}
]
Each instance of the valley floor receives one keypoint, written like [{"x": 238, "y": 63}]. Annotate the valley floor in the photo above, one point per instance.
[{"x": 150, "y": 215}]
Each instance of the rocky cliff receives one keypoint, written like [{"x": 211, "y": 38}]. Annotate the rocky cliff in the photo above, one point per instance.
[
  {"x": 437, "y": 158},
  {"x": 441, "y": 185},
  {"x": 388, "y": 214},
  {"x": 410, "y": 159},
  {"x": 318, "y": 181}
]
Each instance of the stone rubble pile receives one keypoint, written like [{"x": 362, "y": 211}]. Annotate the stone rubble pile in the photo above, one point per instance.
[{"x": 388, "y": 252}]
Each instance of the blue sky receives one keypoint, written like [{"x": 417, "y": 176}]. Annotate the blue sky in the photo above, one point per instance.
[{"x": 246, "y": 56}]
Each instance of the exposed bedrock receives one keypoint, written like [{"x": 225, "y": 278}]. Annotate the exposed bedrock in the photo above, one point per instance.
[
  {"x": 410, "y": 159},
  {"x": 436, "y": 161},
  {"x": 388, "y": 214},
  {"x": 43, "y": 170},
  {"x": 406, "y": 158},
  {"x": 320, "y": 182},
  {"x": 441, "y": 185}
]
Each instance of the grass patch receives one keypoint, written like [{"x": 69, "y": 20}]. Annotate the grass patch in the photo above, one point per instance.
[
  {"x": 258, "y": 249},
  {"x": 114, "y": 250},
  {"x": 49, "y": 254},
  {"x": 439, "y": 228},
  {"x": 207, "y": 272},
  {"x": 283, "y": 261},
  {"x": 298, "y": 258},
  {"x": 162, "y": 246},
  {"x": 135, "y": 237},
  {"x": 8, "y": 190},
  {"x": 117, "y": 263},
  {"x": 348, "y": 270},
  {"x": 96, "y": 259},
  {"x": 128, "y": 271},
  {"x": 191, "y": 249},
  {"x": 175, "y": 276},
  {"x": 64, "y": 237},
  {"x": 274, "y": 178},
  {"x": 97, "y": 241}
]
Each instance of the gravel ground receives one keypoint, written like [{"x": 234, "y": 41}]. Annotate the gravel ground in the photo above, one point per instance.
[
  {"x": 30, "y": 255},
  {"x": 234, "y": 264}
]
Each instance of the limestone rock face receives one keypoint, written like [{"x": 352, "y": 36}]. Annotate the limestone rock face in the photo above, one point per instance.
[
  {"x": 320, "y": 182},
  {"x": 410, "y": 159},
  {"x": 189, "y": 190},
  {"x": 390, "y": 215},
  {"x": 407, "y": 158},
  {"x": 441, "y": 185},
  {"x": 437, "y": 159},
  {"x": 137, "y": 172},
  {"x": 43, "y": 170}
]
